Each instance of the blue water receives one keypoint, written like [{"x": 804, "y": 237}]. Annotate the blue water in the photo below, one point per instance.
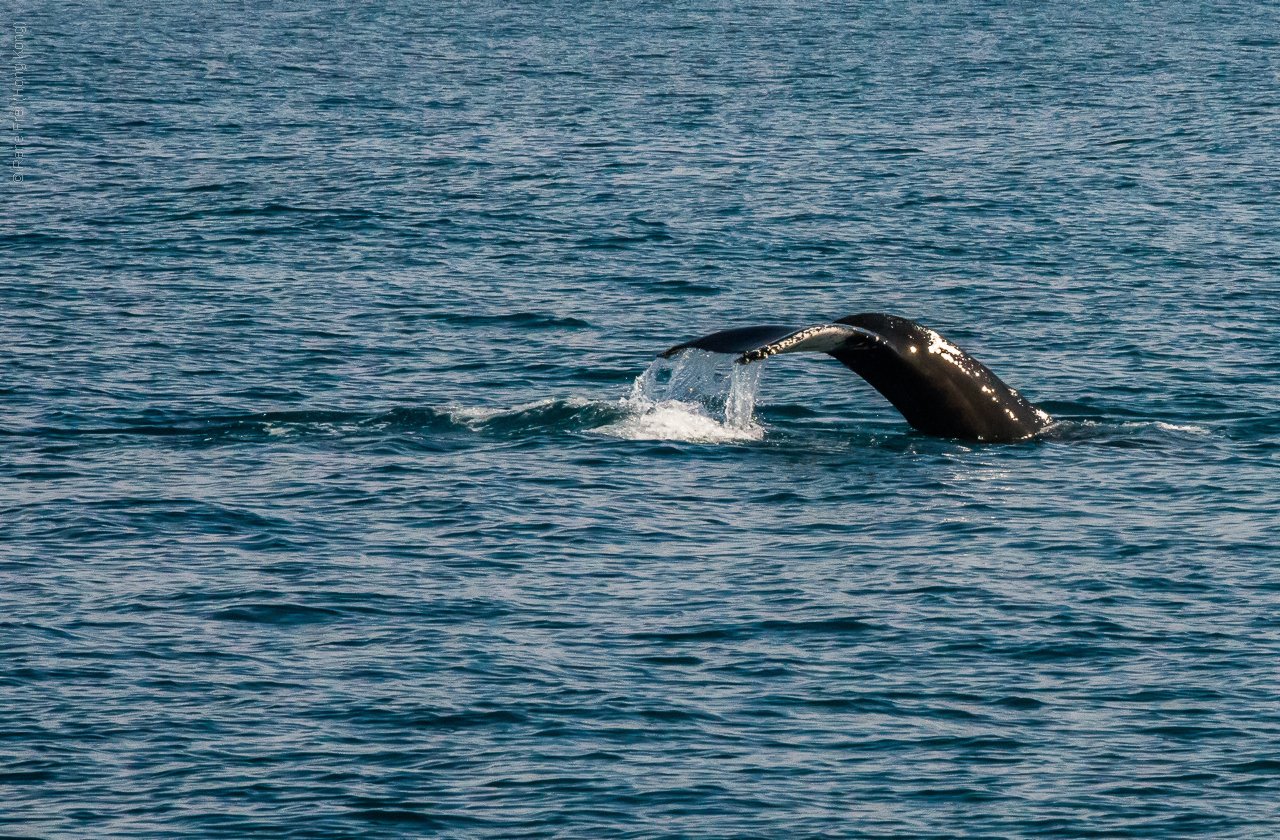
[{"x": 338, "y": 497}]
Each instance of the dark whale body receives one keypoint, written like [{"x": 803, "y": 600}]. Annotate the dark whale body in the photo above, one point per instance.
[{"x": 940, "y": 389}]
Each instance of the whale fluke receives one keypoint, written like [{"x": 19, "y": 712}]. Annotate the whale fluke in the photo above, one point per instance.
[
  {"x": 740, "y": 340},
  {"x": 940, "y": 389}
]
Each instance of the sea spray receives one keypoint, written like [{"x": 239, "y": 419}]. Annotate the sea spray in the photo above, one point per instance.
[
  {"x": 697, "y": 397},
  {"x": 740, "y": 404},
  {"x": 646, "y": 384},
  {"x": 697, "y": 377}
]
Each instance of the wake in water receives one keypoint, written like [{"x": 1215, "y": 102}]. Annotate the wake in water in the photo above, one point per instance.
[
  {"x": 698, "y": 397},
  {"x": 693, "y": 398}
]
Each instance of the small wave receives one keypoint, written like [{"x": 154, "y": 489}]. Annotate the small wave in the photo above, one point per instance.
[
  {"x": 555, "y": 414},
  {"x": 281, "y": 614},
  {"x": 1121, "y": 433},
  {"x": 523, "y": 320},
  {"x": 1185, "y": 427}
]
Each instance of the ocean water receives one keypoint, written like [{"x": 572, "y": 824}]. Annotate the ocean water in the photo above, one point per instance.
[{"x": 341, "y": 494}]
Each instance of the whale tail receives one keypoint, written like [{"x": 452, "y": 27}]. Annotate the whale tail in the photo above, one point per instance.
[
  {"x": 939, "y": 389},
  {"x": 739, "y": 340}
]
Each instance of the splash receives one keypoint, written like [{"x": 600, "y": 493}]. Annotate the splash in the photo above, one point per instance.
[
  {"x": 700, "y": 397},
  {"x": 740, "y": 403}
]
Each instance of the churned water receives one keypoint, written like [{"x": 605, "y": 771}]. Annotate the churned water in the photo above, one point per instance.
[{"x": 339, "y": 497}]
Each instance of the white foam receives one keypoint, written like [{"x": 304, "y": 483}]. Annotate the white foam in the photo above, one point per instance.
[
  {"x": 1140, "y": 425},
  {"x": 698, "y": 397},
  {"x": 699, "y": 402},
  {"x": 1170, "y": 427},
  {"x": 676, "y": 420}
]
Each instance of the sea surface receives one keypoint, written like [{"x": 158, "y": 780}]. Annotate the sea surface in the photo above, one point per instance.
[{"x": 342, "y": 494}]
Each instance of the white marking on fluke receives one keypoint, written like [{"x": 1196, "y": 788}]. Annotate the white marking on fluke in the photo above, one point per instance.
[
  {"x": 820, "y": 339},
  {"x": 940, "y": 346}
]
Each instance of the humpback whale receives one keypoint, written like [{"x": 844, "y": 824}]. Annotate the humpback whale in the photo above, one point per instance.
[{"x": 940, "y": 389}]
